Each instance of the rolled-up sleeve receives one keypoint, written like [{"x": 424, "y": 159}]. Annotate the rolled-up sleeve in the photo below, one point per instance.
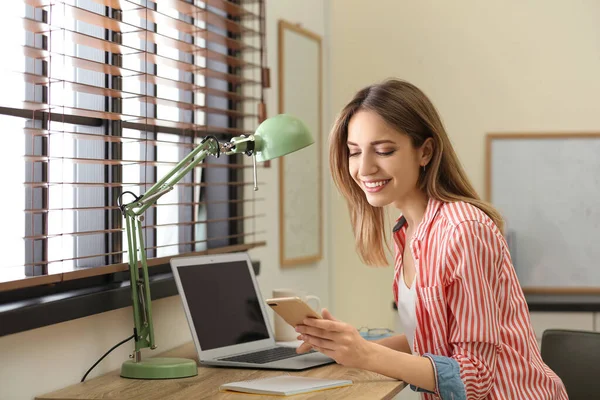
[{"x": 447, "y": 378}]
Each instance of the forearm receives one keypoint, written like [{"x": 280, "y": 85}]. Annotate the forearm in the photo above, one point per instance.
[
  {"x": 396, "y": 342},
  {"x": 412, "y": 369}
]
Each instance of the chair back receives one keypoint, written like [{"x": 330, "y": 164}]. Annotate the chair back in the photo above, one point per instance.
[{"x": 575, "y": 357}]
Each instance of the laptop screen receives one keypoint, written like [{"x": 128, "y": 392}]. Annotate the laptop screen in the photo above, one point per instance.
[{"x": 223, "y": 304}]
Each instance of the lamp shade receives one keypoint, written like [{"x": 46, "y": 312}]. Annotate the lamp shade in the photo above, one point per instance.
[{"x": 280, "y": 135}]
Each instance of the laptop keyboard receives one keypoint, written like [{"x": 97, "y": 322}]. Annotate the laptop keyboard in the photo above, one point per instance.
[{"x": 266, "y": 356}]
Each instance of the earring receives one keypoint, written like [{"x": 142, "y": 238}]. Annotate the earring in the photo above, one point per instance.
[{"x": 423, "y": 169}]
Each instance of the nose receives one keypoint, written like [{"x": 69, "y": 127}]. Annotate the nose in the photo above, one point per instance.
[{"x": 368, "y": 165}]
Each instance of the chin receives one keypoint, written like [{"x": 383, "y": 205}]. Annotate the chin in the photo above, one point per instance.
[{"x": 377, "y": 201}]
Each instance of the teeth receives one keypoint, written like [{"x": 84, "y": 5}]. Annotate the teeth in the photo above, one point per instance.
[{"x": 375, "y": 184}]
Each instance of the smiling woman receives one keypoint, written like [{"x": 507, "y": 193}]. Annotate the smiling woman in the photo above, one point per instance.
[
  {"x": 457, "y": 292},
  {"x": 376, "y": 115},
  {"x": 383, "y": 163}
]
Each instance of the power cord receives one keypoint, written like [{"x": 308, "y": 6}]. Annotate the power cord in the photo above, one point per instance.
[
  {"x": 211, "y": 137},
  {"x": 105, "y": 354},
  {"x": 120, "y": 203}
]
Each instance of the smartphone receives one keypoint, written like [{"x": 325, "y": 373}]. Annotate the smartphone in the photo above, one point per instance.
[{"x": 292, "y": 309}]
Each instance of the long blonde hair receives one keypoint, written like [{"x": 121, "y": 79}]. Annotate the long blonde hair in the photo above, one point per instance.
[{"x": 405, "y": 108}]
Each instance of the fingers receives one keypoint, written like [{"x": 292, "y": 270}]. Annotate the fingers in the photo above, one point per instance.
[
  {"x": 327, "y": 315},
  {"x": 303, "y": 348},
  {"x": 318, "y": 342},
  {"x": 329, "y": 353},
  {"x": 325, "y": 324},
  {"x": 318, "y": 332}
]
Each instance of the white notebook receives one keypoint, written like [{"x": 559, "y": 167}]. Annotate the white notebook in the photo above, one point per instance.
[{"x": 284, "y": 385}]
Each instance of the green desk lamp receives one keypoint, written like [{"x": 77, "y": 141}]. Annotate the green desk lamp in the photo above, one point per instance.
[{"x": 275, "y": 137}]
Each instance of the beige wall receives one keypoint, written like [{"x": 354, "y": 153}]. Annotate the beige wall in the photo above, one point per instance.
[
  {"x": 487, "y": 66},
  {"x": 311, "y": 15},
  {"x": 42, "y": 360}
]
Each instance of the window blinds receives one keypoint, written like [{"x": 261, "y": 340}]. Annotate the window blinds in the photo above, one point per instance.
[{"x": 106, "y": 96}]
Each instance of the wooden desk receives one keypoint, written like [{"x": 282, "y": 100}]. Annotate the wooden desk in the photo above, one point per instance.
[{"x": 367, "y": 385}]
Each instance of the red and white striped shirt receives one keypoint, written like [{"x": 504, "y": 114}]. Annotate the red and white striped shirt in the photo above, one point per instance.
[{"x": 470, "y": 306}]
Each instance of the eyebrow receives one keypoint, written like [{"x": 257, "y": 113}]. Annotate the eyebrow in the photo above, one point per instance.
[{"x": 373, "y": 143}]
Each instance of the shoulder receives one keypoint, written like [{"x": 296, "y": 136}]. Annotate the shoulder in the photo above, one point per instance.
[
  {"x": 471, "y": 234},
  {"x": 459, "y": 212},
  {"x": 467, "y": 228},
  {"x": 459, "y": 218},
  {"x": 460, "y": 236}
]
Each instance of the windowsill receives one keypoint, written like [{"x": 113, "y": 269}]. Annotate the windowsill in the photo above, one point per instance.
[
  {"x": 48, "y": 309},
  {"x": 51, "y": 309}
]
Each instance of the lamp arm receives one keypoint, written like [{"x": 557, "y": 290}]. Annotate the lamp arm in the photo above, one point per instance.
[
  {"x": 140, "y": 288},
  {"x": 209, "y": 146}
]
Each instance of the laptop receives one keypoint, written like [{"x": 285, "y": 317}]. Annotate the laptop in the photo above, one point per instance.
[{"x": 228, "y": 316}]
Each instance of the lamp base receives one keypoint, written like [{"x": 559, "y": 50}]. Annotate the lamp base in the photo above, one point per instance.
[{"x": 159, "y": 368}]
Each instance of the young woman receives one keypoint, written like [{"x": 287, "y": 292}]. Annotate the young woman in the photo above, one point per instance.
[{"x": 468, "y": 332}]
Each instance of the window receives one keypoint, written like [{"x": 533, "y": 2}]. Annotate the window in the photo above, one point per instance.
[{"x": 106, "y": 96}]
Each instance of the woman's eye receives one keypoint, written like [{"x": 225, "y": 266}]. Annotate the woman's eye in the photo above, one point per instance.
[
  {"x": 386, "y": 153},
  {"x": 353, "y": 154}
]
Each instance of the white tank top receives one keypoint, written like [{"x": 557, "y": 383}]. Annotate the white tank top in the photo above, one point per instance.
[{"x": 406, "y": 308}]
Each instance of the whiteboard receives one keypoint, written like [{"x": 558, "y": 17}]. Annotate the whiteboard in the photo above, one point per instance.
[
  {"x": 300, "y": 188},
  {"x": 548, "y": 189}
]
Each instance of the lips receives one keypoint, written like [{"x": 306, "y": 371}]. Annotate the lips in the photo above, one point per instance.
[{"x": 375, "y": 186}]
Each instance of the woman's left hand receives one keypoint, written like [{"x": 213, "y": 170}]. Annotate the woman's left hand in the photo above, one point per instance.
[{"x": 336, "y": 339}]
